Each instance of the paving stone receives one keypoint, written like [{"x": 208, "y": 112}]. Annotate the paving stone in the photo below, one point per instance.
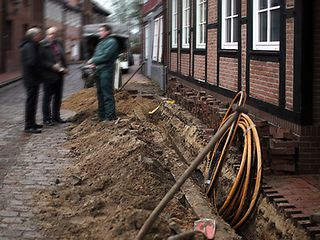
[
  {"x": 12, "y": 220},
  {"x": 29, "y": 162},
  {"x": 5, "y": 213}
]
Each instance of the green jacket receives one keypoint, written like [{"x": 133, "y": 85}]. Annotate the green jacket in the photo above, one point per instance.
[{"x": 106, "y": 54}]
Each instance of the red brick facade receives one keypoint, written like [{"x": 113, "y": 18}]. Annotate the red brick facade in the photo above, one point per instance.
[
  {"x": 270, "y": 79},
  {"x": 264, "y": 81},
  {"x": 18, "y": 18},
  {"x": 229, "y": 73}
]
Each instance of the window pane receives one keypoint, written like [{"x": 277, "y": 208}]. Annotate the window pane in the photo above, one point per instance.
[
  {"x": 275, "y": 25},
  {"x": 228, "y": 30},
  {"x": 188, "y": 17},
  {"x": 263, "y": 4},
  {"x": 228, "y": 8},
  {"x": 204, "y": 12},
  {"x": 203, "y": 33},
  {"x": 274, "y": 3},
  {"x": 200, "y": 12},
  {"x": 235, "y": 29},
  {"x": 263, "y": 27},
  {"x": 187, "y": 36},
  {"x": 235, "y": 6}
]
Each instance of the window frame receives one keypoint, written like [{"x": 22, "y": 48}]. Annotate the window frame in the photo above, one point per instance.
[
  {"x": 174, "y": 24},
  {"x": 266, "y": 45},
  {"x": 233, "y": 44},
  {"x": 156, "y": 34},
  {"x": 186, "y": 10},
  {"x": 146, "y": 40},
  {"x": 160, "y": 39},
  {"x": 201, "y": 45}
]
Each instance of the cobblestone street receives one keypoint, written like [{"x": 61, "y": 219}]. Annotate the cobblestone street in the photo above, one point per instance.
[{"x": 28, "y": 162}]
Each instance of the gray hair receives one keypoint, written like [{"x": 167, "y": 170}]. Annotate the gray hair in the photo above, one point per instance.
[{"x": 32, "y": 32}]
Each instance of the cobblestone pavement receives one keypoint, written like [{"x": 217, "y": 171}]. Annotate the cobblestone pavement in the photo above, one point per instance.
[{"x": 28, "y": 162}]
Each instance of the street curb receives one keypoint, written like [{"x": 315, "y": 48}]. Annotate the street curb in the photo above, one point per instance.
[{"x": 10, "y": 82}]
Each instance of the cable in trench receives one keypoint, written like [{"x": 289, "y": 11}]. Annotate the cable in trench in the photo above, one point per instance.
[{"x": 244, "y": 192}]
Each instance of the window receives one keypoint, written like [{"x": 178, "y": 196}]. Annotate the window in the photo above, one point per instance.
[
  {"x": 160, "y": 40},
  {"x": 266, "y": 25},
  {"x": 201, "y": 24},
  {"x": 146, "y": 41},
  {"x": 174, "y": 22},
  {"x": 186, "y": 23},
  {"x": 157, "y": 40},
  {"x": 229, "y": 26}
]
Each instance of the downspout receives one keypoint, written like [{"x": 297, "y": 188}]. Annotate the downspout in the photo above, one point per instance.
[{"x": 151, "y": 37}]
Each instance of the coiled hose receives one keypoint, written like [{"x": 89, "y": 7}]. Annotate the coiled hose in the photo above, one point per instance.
[{"x": 244, "y": 191}]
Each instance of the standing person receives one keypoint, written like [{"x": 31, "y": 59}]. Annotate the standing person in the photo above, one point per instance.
[
  {"x": 53, "y": 60},
  {"x": 31, "y": 77},
  {"x": 103, "y": 60}
]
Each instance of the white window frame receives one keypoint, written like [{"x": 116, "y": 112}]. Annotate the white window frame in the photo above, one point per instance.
[
  {"x": 201, "y": 5},
  {"x": 160, "y": 40},
  {"x": 146, "y": 41},
  {"x": 156, "y": 40},
  {"x": 233, "y": 17},
  {"x": 266, "y": 45},
  {"x": 174, "y": 24},
  {"x": 186, "y": 23}
]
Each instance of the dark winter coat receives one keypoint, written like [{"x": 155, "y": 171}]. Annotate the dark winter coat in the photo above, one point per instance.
[
  {"x": 48, "y": 60},
  {"x": 31, "y": 63}
]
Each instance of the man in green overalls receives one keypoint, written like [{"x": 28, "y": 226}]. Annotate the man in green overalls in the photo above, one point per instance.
[{"x": 103, "y": 60}]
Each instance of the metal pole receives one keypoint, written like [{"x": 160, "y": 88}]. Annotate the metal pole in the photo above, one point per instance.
[{"x": 131, "y": 77}]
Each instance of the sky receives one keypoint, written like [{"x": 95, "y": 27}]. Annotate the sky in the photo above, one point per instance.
[
  {"x": 104, "y": 3},
  {"x": 107, "y": 4}
]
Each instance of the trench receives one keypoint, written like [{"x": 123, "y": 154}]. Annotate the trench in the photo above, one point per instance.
[{"x": 126, "y": 169}]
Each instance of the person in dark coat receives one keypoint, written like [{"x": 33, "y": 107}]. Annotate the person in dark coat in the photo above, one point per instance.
[
  {"x": 31, "y": 70},
  {"x": 54, "y": 64},
  {"x": 103, "y": 60}
]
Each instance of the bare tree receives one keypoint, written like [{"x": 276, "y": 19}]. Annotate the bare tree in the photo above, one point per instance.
[{"x": 127, "y": 12}]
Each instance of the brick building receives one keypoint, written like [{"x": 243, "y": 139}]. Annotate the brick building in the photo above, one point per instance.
[
  {"x": 153, "y": 45},
  {"x": 265, "y": 48},
  {"x": 17, "y": 16}
]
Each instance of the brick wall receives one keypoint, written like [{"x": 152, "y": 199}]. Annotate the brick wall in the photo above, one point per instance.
[
  {"x": 185, "y": 64},
  {"x": 289, "y": 62},
  {"x": 229, "y": 73},
  {"x": 173, "y": 62},
  {"x": 264, "y": 78},
  {"x": 264, "y": 81},
  {"x": 212, "y": 57},
  {"x": 21, "y": 17},
  {"x": 213, "y": 13},
  {"x": 244, "y": 8},
  {"x": 150, "y": 5},
  {"x": 199, "y": 67}
]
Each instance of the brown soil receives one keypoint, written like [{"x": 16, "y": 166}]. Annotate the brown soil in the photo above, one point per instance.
[
  {"x": 118, "y": 176},
  {"x": 120, "y": 172}
]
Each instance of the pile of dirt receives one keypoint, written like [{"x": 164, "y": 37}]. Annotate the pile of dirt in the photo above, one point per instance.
[{"x": 120, "y": 173}]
